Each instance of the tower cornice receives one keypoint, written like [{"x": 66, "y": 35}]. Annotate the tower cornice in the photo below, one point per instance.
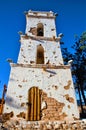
[
  {"x": 35, "y": 16},
  {"x": 41, "y": 38},
  {"x": 38, "y": 14},
  {"x": 44, "y": 66}
]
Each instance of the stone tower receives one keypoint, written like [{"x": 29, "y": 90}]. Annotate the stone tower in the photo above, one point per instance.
[{"x": 40, "y": 86}]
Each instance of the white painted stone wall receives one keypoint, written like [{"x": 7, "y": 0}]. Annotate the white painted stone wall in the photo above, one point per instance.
[
  {"x": 48, "y": 23},
  {"x": 22, "y": 79},
  {"x": 28, "y": 51}
]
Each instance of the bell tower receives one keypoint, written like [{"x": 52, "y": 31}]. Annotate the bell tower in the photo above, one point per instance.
[
  {"x": 40, "y": 86},
  {"x": 40, "y": 40}
]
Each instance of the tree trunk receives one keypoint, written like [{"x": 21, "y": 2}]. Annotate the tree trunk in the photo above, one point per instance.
[
  {"x": 83, "y": 95},
  {"x": 82, "y": 110}
]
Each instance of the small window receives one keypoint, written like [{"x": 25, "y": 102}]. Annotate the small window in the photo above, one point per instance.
[
  {"x": 40, "y": 31},
  {"x": 40, "y": 55}
]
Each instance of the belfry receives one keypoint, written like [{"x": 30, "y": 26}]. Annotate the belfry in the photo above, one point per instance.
[{"x": 40, "y": 86}]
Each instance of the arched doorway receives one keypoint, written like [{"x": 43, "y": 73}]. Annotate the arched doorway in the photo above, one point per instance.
[{"x": 34, "y": 104}]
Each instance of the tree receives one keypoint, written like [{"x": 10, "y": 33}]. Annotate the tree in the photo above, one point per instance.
[{"x": 79, "y": 64}]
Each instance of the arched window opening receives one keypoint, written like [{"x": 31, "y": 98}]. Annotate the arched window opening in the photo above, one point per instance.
[
  {"x": 40, "y": 30},
  {"x": 40, "y": 55}
]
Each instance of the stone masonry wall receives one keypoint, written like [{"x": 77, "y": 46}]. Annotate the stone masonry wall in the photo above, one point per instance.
[
  {"x": 57, "y": 92},
  {"x": 28, "y": 51},
  {"x": 48, "y": 23},
  {"x": 20, "y": 124}
]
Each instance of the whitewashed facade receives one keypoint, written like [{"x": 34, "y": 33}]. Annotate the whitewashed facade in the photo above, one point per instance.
[{"x": 40, "y": 66}]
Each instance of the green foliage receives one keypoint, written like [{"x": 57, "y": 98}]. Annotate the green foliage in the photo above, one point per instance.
[
  {"x": 83, "y": 37},
  {"x": 79, "y": 63}
]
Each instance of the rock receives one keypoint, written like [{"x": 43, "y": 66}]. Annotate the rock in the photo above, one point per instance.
[{"x": 21, "y": 124}]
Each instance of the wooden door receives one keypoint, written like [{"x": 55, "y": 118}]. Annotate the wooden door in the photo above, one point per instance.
[
  {"x": 34, "y": 104},
  {"x": 1, "y": 108}
]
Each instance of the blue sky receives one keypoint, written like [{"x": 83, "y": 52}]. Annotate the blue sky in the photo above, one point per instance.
[{"x": 70, "y": 21}]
